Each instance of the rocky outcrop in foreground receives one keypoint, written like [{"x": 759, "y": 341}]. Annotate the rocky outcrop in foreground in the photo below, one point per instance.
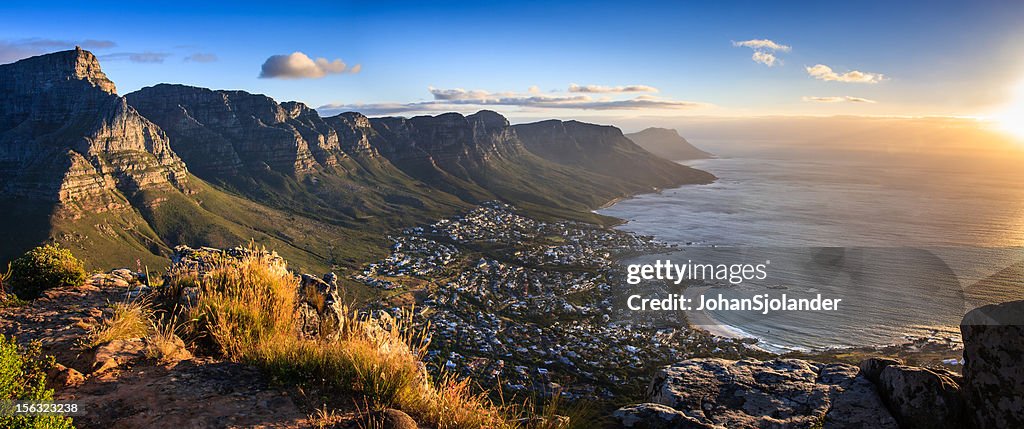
[
  {"x": 320, "y": 306},
  {"x": 880, "y": 393},
  {"x": 994, "y": 365}
]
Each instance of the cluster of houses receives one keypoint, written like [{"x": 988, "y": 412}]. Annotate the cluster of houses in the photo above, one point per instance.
[{"x": 533, "y": 306}]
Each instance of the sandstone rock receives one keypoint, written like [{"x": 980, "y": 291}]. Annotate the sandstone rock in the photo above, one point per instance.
[
  {"x": 921, "y": 398},
  {"x": 309, "y": 320},
  {"x": 657, "y": 416},
  {"x": 755, "y": 394},
  {"x": 202, "y": 260},
  {"x": 321, "y": 309},
  {"x": 993, "y": 374},
  {"x": 125, "y": 274},
  {"x": 394, "y": 419},
  {"x": 855, "y": 404},
  {"x": 61, "y": 376},
  {"x": 871, "y": 368},
  {"x": 117, "y": 353},
  {"x": 166, "y": 348}
]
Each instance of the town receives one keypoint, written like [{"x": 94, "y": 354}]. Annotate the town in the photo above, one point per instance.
[{"x": 536, "y": 306}]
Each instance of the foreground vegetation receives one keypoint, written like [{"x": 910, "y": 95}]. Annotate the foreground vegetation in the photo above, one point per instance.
[
  {"x": 23, "y": 378},
  {"x": 245, "y": 311},
  {"x": 42, "y": 268}
]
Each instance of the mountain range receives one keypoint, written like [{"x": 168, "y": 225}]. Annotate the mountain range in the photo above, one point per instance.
[{"x": 119, "y": 178}]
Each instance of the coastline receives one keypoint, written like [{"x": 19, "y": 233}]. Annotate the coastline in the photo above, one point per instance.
[
  {"x": 700, "y": 320},
  {"x": 611, "y": 202}
]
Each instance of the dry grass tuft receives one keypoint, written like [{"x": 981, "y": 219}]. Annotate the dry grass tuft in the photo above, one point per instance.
[
  {"x": 324, "y": 418},
  {"x": 130, "y": 319},
  {"x": 247, "y": 311},
  {"x": 163, "y": 343}
]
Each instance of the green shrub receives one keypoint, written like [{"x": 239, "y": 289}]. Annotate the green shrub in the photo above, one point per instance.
[
  {"x": 23, "y": 377},
  {"x": 43, "y": 268}
]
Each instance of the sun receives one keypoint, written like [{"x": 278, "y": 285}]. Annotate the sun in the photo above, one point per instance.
[{"x": 1011, "y": 118}]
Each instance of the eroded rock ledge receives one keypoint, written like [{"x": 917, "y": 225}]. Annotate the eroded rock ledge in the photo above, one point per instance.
[{"x": 880, "y": 393}]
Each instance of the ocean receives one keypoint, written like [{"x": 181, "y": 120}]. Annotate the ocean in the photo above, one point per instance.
[{"x": 910, "y": 241}]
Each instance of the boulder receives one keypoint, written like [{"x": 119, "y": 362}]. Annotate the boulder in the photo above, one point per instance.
[
  {"x": 391, "y": 418},
  {"x": 125, "y": 274},
  {"x": 657, "y": 416},
  {"x": 166, "y": 348},
  {"x": 309, "y": 320},
  {"x": 117, "y": 353},
  {"x": 993, "y": 373},
  {"x": 854, "y": 401},
  {"x": 921, "y": 398},
  {"x": 871, "y": 368},
  {"x": 775, "y": 393},
  {"x": 320, "y": 308},
  {"x": 61, "y": 376}
]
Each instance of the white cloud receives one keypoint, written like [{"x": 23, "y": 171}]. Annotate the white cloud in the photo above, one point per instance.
[
  {"x": 765, "y": 58},
  {"x": 599, "y": 89},
  {"x": 298, "y": 65},
  {"x": 459, "y": 99},
  {"x": 764, "y": 50},
  {"x": 823, "y": 72},
  {"x": 762, "y": 45},
  {"x": 838, "y": 99}
]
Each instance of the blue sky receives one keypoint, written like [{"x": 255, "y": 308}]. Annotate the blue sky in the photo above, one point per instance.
[{"x": 934, "y": 58}]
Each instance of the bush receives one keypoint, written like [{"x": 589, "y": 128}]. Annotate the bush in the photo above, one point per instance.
[
  {"x": 45, "y": 267},
  {"x": 23, "y": 377}
]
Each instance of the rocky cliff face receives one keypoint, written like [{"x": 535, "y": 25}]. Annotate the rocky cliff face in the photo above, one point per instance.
[
  {"x": 355, "y": 134},
  {"x": 667, "y": 144},
  {"x": 881, "y": 393},
  {"x": 447, "y": 138},
  {"x": 226, "y": 132},
  {"x": 65, "y": 136}
]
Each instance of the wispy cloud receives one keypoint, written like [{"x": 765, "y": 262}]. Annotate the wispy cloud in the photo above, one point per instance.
[
  {"x": 823, "y": 72},
  {"x": 13, "y": 50},
  {"x": 200, "y": 57},
  {"x": 298, "y": 65},
  {"x": 137, "y": 57},
  {"x": 764, "y": 50},
  {"x": 600, "y": 89},
  {"x": 762, "y": 44},
  {"x": 460, "y": 99},
  {"x": 838, "y": 99}
]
